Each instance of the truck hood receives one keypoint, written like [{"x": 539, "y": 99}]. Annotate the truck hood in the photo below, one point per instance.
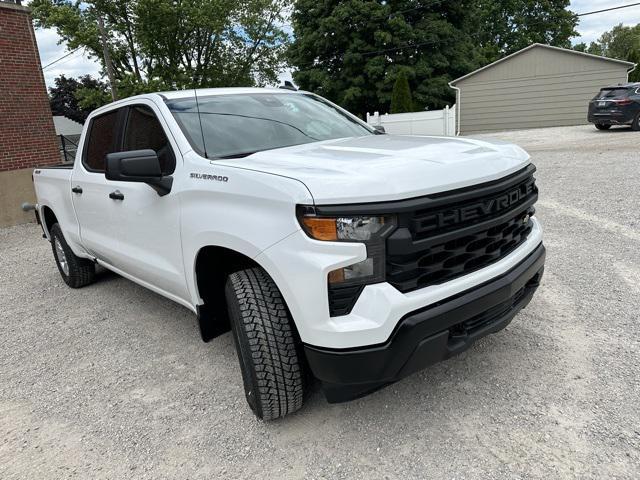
[{"x": 388, "y": 167}]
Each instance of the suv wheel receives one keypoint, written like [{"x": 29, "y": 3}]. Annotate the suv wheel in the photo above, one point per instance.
[
  {"x": 75, "y": 271},
  {"x": 635, "y": 126},
  {"x": 602, "y": 126},
  {"x": 268, "y": 351}
]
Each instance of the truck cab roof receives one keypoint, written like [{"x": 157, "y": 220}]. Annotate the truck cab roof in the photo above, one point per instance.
[
  {"x": 189, "y": 93},
  {"x": 175, "y": 94}
]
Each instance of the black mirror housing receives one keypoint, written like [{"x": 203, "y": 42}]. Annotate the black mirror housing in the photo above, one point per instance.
[
  {"x": 379, "y": 129},
  {"x": 133, "y": 166},
  {"x": 138, "y": 166}
]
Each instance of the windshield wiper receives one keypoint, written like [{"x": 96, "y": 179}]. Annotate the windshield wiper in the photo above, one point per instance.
[{"x": 238, "y": 155}]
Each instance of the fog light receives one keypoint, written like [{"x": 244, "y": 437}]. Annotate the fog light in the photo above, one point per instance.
[{"x": 356, "y": 271}]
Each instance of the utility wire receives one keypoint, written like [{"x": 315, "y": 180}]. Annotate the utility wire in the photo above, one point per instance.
[
  {"x": 608, "y": 9},
  {"x": 61, "y": 58},
  {"x": 428, "y": 5}
]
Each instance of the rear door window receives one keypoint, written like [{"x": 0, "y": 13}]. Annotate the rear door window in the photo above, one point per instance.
[
  {"x": 101, "y": 141},
  {"x": 613, "y": 93},
  {"x": 144, "y": 131}
]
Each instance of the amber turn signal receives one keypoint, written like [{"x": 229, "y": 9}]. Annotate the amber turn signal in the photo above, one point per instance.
[
  {"x": 321, "y": 228},
  {"x": 336, "y": 276}
]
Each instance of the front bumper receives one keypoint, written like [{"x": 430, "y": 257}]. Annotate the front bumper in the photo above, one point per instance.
[
  {"x": 300, "y": 266},
  {"x": 428, "y": 335}
]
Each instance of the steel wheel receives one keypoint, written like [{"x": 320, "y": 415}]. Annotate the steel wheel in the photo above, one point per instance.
[
  {"x": 75, "y": 271},
  {"x": 61, "y": 258}
]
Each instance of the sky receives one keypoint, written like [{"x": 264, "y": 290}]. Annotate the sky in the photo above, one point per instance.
[{"x": 589, "y": 28}]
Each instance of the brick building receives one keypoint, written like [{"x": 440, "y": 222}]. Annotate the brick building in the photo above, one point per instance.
[{"x": 27, "y": 135}]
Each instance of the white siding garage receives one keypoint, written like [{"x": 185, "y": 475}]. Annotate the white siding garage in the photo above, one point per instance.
[{"x": 539, "y": 86}]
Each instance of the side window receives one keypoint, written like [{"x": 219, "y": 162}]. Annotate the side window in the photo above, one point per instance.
[
  {"x": 102, "y": 136},
  {"x": 144, "y": 131}
]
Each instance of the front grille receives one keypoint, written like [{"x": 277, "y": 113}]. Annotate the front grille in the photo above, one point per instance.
[{"x": 455, "y": 233}]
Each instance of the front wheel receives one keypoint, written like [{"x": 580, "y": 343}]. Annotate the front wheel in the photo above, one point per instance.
[
  {"x": 635, "y": 126},
  {"x": 602, "y": 126},
  {"x": 268, "y": 351},
  {"x": 75, "y": 271}
]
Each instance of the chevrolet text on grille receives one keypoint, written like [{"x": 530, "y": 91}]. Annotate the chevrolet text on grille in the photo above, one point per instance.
[{"x": 474, "y": 211}]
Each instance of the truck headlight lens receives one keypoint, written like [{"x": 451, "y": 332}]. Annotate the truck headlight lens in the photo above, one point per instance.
[
  {"x": 358, "y": 229},
  {"x": 370, "y": 230}
]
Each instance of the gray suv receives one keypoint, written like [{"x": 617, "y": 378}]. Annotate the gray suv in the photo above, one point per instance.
[{"x": 616, "y": 105}]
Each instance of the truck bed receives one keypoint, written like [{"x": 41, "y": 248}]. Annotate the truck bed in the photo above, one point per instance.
[{"x": 53, "y": 191}]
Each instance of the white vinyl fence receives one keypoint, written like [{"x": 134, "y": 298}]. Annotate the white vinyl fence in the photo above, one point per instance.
[{"x": 436, "y": 122}]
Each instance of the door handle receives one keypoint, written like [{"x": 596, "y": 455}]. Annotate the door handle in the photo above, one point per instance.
[
  {"x": 117, "y": 195},
  {"x": 77, "y": 189}
]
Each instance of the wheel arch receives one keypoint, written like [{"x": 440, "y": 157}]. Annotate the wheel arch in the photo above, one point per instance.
[
  {"x": 211, "y": 267},
  {"x": 48, "y": 219}
]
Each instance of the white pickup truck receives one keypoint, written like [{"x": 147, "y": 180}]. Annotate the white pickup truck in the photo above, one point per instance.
[{"x": 331, "y": 250}]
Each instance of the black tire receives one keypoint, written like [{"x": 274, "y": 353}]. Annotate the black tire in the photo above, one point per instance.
[
  {"x": 602, "y": 126},
  {"x": 635, "y": 126},
  {"x": 267, "y": 347},
  {"x": 78, "y": 272}
]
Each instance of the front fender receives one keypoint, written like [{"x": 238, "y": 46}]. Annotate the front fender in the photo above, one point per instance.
[
  {"x": 215, "y": 239},
  {"x": 247, "y": 213}
]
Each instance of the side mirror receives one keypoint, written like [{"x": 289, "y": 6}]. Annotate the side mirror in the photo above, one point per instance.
[
  {"x": 379, "y": 129},
  {"x": 138, "y": 166}
]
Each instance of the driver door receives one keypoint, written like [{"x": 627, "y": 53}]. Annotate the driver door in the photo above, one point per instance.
[{"x": 148, "y": 225}]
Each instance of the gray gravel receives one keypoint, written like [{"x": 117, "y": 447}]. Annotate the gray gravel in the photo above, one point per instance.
[{"x": 112, "y": 381}]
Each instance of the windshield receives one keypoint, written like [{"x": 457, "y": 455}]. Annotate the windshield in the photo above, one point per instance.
[
  {"x": 238, "y": 125},
  {"x": 613, "y": 93}
]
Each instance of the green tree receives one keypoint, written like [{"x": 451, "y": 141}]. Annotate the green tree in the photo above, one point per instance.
[
  {"x": 580, "y": 47},
  {"x": 351, "y": 51},
  {"x": 167, "y": 44},
  {"x": 593, "y": 48},
  {"x": 75, "y": 99},
  {"x": 621, "y": 42},
  {"x": 401, "y": 95},
  {"x": 502, "y": 27},
  {"x": 90, "y": 98}
]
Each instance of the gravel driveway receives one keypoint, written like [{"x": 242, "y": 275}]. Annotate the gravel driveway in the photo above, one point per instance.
[{"x": 112, "y": 381}]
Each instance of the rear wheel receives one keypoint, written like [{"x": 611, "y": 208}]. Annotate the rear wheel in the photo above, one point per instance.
[
  {"x": 602, "y": 126},
  {"x": 268, "y": 351},
  {"x": 635, "y": 126},
  {"x": 75, "y": 271}
]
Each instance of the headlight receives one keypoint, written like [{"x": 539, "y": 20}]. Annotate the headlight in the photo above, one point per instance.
[
  {"x": 370, "y": 230},
  {"x": 357, "y": 229},
  {"x": 361, "y": 229}
]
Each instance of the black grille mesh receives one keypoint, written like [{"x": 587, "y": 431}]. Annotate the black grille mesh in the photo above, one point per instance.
[
  {"x": 457, "y": 257},
  {"x": 421, "y": 253}
]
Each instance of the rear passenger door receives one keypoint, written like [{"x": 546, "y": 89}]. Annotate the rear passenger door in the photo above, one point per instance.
[
  {"x": 148, "y": 225},
  {"x": 90, "y": 192}
]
